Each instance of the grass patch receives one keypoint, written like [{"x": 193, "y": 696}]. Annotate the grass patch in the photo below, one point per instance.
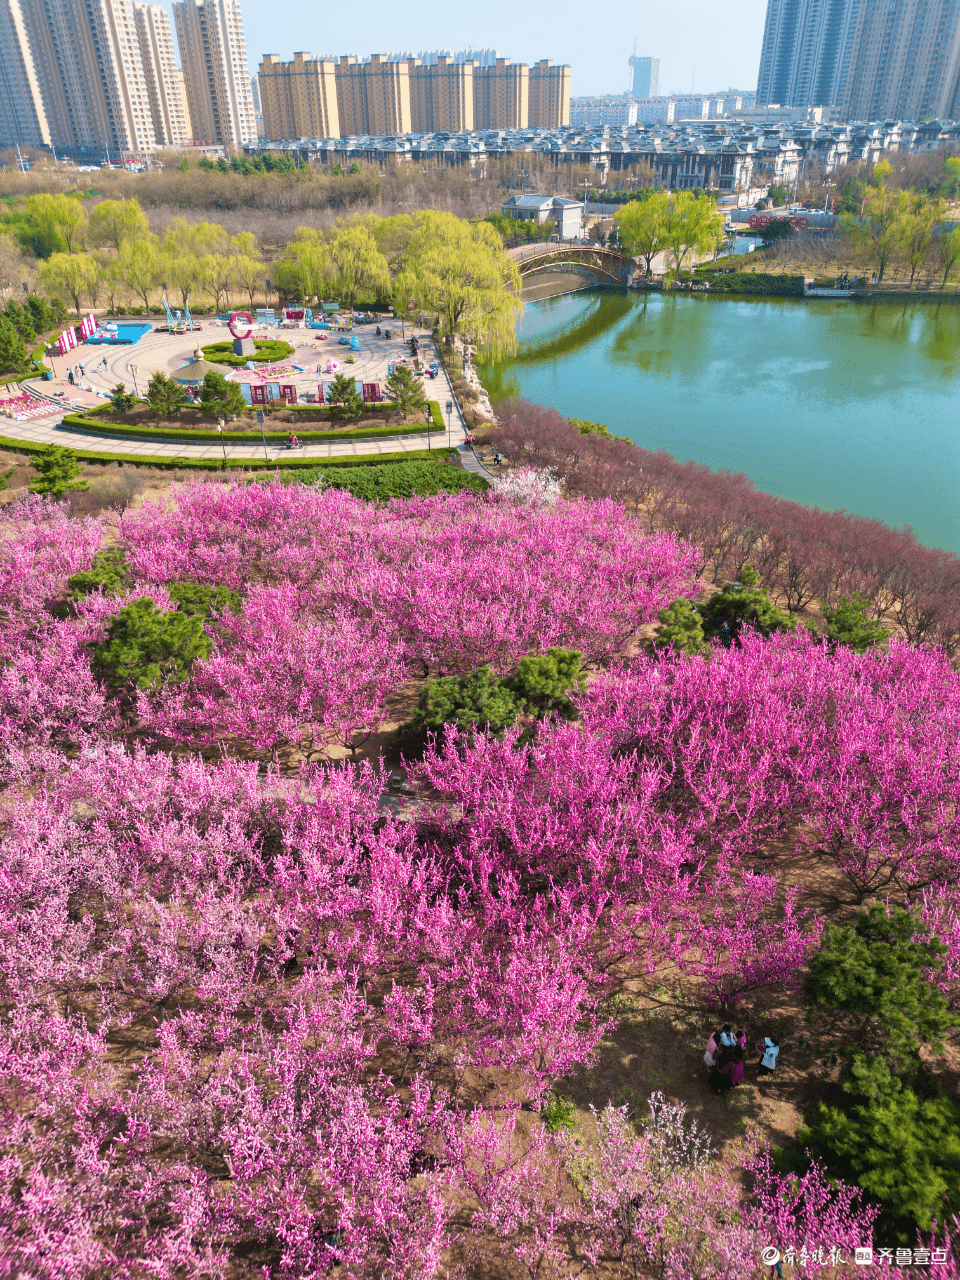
[{"x": 268, "y": 351}]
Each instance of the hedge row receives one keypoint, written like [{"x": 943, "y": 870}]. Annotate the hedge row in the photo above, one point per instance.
[
  {"x": 394, "y": 480},
  {"x": 758, "y": 283},
  {"x": 29, "y": 447},
  {"x": 79, "y": 425},
  {"x": 86, "y": 424}
]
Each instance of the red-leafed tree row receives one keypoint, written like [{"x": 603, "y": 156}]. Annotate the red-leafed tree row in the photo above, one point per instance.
[{"x": 802, "y": 554}]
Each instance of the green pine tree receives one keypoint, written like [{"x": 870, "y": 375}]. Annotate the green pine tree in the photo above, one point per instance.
[
  {"x": 849, "y": 625},
  {"x": 544, "y": 680},
  {"x": 220, "y": 398},
  {"x": 199, "y": 601},
  {"x": 346, "y": 403},
  {"x": 405, "y": 391},
  {"x": 903, "y": 1151},
  {"x": 146, "y": 647},
  {"x": 480, "y": 699},
  {"x": 874, "y": 976},
  {"x": 59, "y": 471},
  {"x": 682, "y": 627},
  {"x": 121, "y": 400},
  {"x": 107, "y": 573},
  {"x": 14, "y": 356},
  {"x": 165, "y": 395},
  {"x": 744, "y": 603}
]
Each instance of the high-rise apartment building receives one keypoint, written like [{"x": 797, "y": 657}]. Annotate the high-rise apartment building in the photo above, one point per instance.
[
  {"x": 549, "y": 95},
  {"x": 326, "y": 98},
  {"x": 501, "y": 95},
  {"x": 23, "y": 115},
  {"x": 904, "y": 61},
  {"x": 214, "y": 52},
  {"x": 870, "y": 59},
  {"x": 442, "y": 96},
  {"x": 89, "y": 74},
  {"x": 299, "y": 98},
  {"x": 374, "y": 96},
  {"x": 646, "y": 77},
  {"x": 805, "y": 56},
  {"x": 163, "y": 77}
]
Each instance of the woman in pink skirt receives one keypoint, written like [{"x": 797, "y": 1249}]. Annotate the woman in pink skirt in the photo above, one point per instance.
[{"x": 739, "y": 1071}]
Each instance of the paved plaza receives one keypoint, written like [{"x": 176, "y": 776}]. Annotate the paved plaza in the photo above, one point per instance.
[{"x": 166, "y": 353}]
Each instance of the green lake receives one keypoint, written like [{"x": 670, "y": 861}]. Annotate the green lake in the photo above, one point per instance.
[{"x": 836, "y": 404}]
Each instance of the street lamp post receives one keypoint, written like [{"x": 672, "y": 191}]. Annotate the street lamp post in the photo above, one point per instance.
[
  {"x": 132, "y": 368},
  {"x": 449, "y": 407},
  {"x": 220, "y": 426},
  {"x": 262, "y": 436}
]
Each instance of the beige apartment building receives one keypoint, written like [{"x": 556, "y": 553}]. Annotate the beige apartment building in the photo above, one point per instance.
[
  {"x": 23, "y": 115},
  {"x": 442, "y": 96},
  {"x": 89, "y": 74},
  {"x": 313, "y": 98},
  {"x": 501, "y": 95},
  {"x": 164, "y": 78},
  {"x": 549, "y": 96},
  {"x": 214, "y": 53},
  {"x": 299, "y": 98},
  {"x": 374, "y": 96},
  {"x": 904, "y": 61}
]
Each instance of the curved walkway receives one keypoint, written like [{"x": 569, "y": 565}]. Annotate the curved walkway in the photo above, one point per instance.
[{"x": 165, "y": 352}]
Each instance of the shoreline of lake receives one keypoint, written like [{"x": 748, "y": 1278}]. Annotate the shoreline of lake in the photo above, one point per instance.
[{"x": 853, "y": 409}]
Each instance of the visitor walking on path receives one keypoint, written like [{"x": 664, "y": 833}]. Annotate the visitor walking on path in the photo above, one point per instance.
[{"x": 768, "y": 1051}]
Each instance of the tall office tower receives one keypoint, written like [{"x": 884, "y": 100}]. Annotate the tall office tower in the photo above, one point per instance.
[
  {"x": 904, "y": 61},
  {"x": 805, "y": 57},
  {"x": 646, "y": 77},
  {"x": 210, "y": 36},
  {"x": 549, "y": 96},
  {"x": 374, "y": 96},
  {"x": 299, "y": 98},
  {"x": 441, "y": 96},
  {"x": 163, "y": 76},
  {"x": 87, "y": 59},
  {"x": 501, "y": 95},
  {"x": 23, "y": 116}
]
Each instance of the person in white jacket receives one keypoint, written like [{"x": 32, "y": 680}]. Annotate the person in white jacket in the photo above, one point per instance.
[{"x": 768, "y": 1056}]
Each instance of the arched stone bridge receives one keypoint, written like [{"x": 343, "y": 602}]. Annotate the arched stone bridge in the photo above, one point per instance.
[{"x": 608, "y": 265}]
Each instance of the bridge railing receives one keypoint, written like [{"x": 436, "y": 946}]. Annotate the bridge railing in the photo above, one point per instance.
[{"x": 549, "y": 249}]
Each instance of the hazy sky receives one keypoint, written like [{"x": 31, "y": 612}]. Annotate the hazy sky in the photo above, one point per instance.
[{"x": 722, "y": 39}]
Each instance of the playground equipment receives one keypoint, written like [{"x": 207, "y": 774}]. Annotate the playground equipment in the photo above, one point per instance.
[{"x": 179, "y": 323}]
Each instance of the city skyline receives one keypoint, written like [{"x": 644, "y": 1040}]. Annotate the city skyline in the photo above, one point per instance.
[{"x": 711, "y": 44}]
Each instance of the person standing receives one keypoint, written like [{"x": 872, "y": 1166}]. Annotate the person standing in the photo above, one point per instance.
[
  {"x": 738, "y": 1070},
  {"x": 711, "y": 1052},
  {"x": 769, "y": 1051}
]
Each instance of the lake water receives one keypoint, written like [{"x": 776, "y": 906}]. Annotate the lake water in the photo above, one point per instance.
[{"x": 834, "y": 404}]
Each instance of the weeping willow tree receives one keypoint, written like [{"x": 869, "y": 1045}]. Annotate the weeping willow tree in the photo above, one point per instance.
[
  {"x": 429, "y": 261},
  {"x": 459, "y": 270}
]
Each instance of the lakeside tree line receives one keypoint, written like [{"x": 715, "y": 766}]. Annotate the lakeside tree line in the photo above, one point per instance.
[{"x": 803, "y": 555}]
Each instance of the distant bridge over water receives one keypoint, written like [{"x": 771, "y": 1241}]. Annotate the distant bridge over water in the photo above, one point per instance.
[{"x": 594, "y": 264}]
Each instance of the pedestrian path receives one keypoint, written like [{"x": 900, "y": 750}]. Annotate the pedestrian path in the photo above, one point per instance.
[{"x": 472, "y": 463}]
